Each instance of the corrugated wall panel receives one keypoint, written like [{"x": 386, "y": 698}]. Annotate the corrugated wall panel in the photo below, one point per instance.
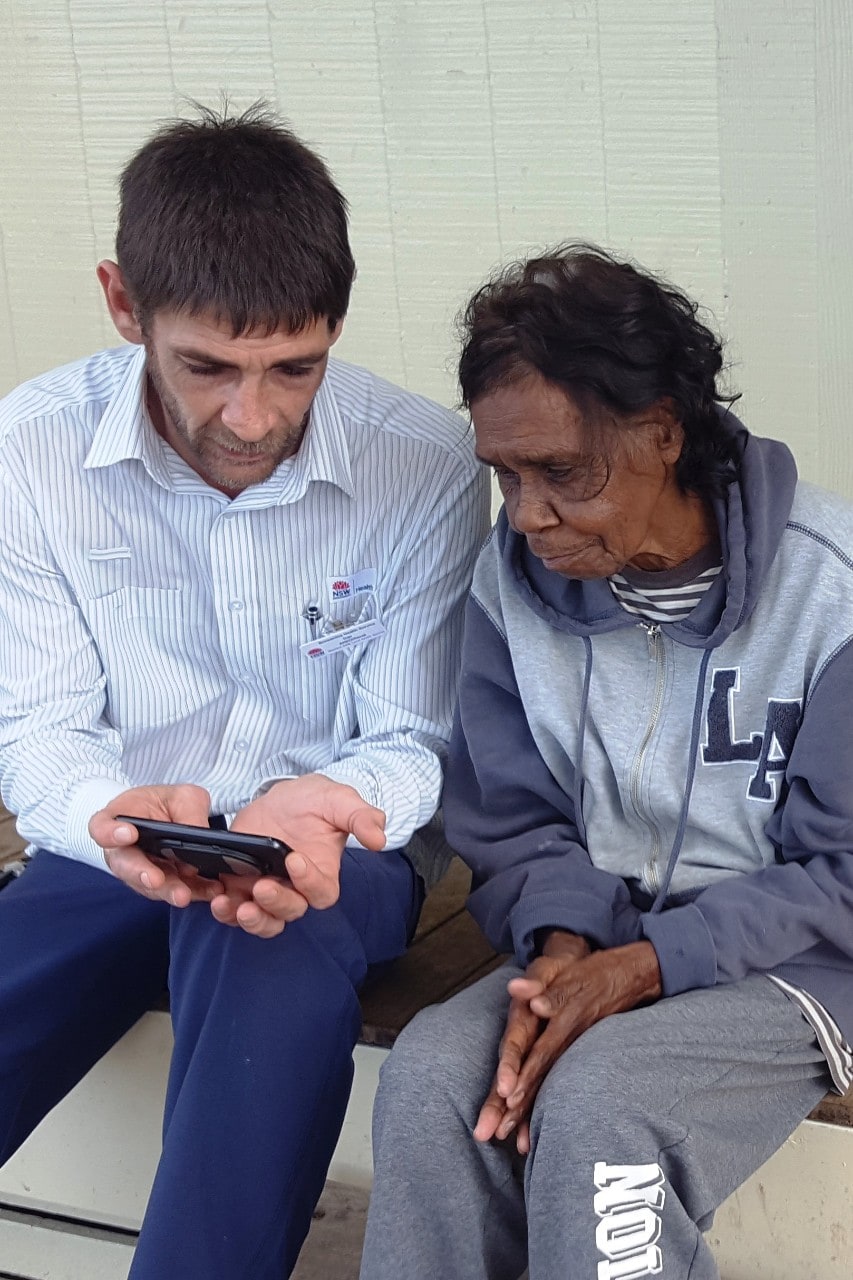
[
  {"x": 546, "y": 118},
  {"x": 769, "y": 201},
  {"x": 327, "y": 60},
  {"x": 45, "y": 203},
  {"x": 831, "y": 426},
  {"x": 710, "y": 140},
  {"x": 661, "y": 138}
]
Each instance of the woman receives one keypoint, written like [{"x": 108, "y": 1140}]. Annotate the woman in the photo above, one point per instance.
[{"x": 648, "y": 777}]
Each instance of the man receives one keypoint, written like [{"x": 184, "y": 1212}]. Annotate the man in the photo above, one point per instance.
[
  {"x": 233, "y": 576},
  {"x": 649, "y": 775}
]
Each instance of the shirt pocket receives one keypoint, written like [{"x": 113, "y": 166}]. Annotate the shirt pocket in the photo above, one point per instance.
[
  {"x": 156, "y": 655},
  {"x": 327, "y": 683}
]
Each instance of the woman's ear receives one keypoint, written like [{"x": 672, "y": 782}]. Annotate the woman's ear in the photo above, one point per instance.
[{"x": 668, "y": 431}]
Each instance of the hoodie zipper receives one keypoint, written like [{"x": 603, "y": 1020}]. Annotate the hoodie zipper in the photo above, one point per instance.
[{"x": 656, "y": 655}]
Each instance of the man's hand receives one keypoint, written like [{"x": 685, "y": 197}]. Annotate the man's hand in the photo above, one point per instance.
[
  {"x": 314, "y": 816},
  {"x": 178, "y": 886},
  {"x": 568, "y": 994}
]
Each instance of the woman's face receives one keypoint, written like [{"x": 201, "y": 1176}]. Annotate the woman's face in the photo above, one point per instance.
[{"x": 588, "y": 503}]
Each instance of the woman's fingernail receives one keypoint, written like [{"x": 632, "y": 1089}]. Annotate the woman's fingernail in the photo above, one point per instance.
[{"x": 146, "y": 879}]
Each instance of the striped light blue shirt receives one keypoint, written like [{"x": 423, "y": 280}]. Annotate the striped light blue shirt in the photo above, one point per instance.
[{"x": 150, "y": 627}]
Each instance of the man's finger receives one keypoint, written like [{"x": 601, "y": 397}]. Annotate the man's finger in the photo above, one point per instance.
[
  {"x": 239, "y": 910},
  {"x": 280, "y": 900},
  {"x": 183, "y": 802},
  {"x": 224, "y": 909},
  {"x": 261, "y": 906},
  {"x": 320, "y": 887},
  {"x": 253, "y": 919},
  {"x": 146, "y": 877},
  {"x": 124, "y": 834}
]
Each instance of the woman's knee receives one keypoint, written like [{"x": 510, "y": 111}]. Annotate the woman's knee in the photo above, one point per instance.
[
  {"x": 437, "y": 1066},
  {"x": 592, "y": 1083}
]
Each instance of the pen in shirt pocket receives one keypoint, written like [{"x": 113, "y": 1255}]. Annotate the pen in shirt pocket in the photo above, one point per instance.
[{"x": 313, "y": 616}]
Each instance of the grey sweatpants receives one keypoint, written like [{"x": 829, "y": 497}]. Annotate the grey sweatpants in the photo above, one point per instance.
[{"x": 640, "y": 1131}]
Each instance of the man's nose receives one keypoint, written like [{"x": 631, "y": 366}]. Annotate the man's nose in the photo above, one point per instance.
[{"x": 247, "y": 413}]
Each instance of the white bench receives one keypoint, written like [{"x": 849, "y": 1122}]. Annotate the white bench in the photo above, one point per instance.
[{"x": 72, "y": 1198}]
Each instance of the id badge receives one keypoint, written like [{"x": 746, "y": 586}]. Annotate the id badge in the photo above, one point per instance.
[{"x": 345, "y": 639}]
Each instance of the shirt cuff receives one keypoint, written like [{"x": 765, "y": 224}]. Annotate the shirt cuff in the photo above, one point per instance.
[
  {"x": 86, "y": 800},
  {"x": 268, "y": 783}
]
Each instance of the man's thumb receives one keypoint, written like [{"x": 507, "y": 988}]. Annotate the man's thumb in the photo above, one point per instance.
[{"x": 368, "y": 826}]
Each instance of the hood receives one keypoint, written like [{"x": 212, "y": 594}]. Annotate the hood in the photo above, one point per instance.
[{"x": 751, "y": 518}]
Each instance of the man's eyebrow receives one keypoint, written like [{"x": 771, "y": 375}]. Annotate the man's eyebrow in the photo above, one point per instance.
[
  {"x": 310, "y": 357},
  {"x": 204, "y": 357}
]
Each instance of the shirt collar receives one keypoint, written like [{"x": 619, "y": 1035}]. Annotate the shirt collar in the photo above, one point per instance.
[
  {"x": 125, "y": 432},
  {"x": 120, "y": 434}
]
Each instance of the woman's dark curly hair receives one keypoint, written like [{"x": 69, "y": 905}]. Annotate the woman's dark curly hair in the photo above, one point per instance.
[{"x": 615, "y": 338}]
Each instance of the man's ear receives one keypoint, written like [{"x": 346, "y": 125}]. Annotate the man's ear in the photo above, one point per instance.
[{"x": 119, "y": 302}]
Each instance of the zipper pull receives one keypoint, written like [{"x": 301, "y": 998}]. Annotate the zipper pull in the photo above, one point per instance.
[{"x": 652, "y": 631}]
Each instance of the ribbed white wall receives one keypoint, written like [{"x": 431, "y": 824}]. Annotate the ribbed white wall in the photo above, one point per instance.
[{"x": 711, "y": 139}]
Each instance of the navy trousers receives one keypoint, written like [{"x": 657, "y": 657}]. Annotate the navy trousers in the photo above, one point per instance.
[{"x": 264, "y": 1032}]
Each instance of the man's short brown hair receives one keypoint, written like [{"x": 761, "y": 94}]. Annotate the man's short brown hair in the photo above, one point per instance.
[{"x": 236, "y": 218}]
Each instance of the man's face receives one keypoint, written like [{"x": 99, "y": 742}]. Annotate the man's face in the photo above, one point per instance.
[
  {"x": 233, "y": 408},
  {"x": 586, "y": 506}
]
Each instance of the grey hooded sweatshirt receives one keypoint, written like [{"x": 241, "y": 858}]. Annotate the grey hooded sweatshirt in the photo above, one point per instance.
[{"x": 690, "y": 783}]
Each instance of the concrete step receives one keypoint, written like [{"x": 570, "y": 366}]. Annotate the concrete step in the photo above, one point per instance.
[
  {"x": 36, "y": 1247},
  {"x": 93, "y": 1159}
]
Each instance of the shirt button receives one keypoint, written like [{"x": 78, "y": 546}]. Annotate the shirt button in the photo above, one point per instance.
[
  {"x": 242, "y": 744},
  {"x": 235, "y": 606}
]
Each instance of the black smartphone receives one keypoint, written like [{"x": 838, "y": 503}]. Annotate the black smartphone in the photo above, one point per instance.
[{"x": 212, "y": 852}]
